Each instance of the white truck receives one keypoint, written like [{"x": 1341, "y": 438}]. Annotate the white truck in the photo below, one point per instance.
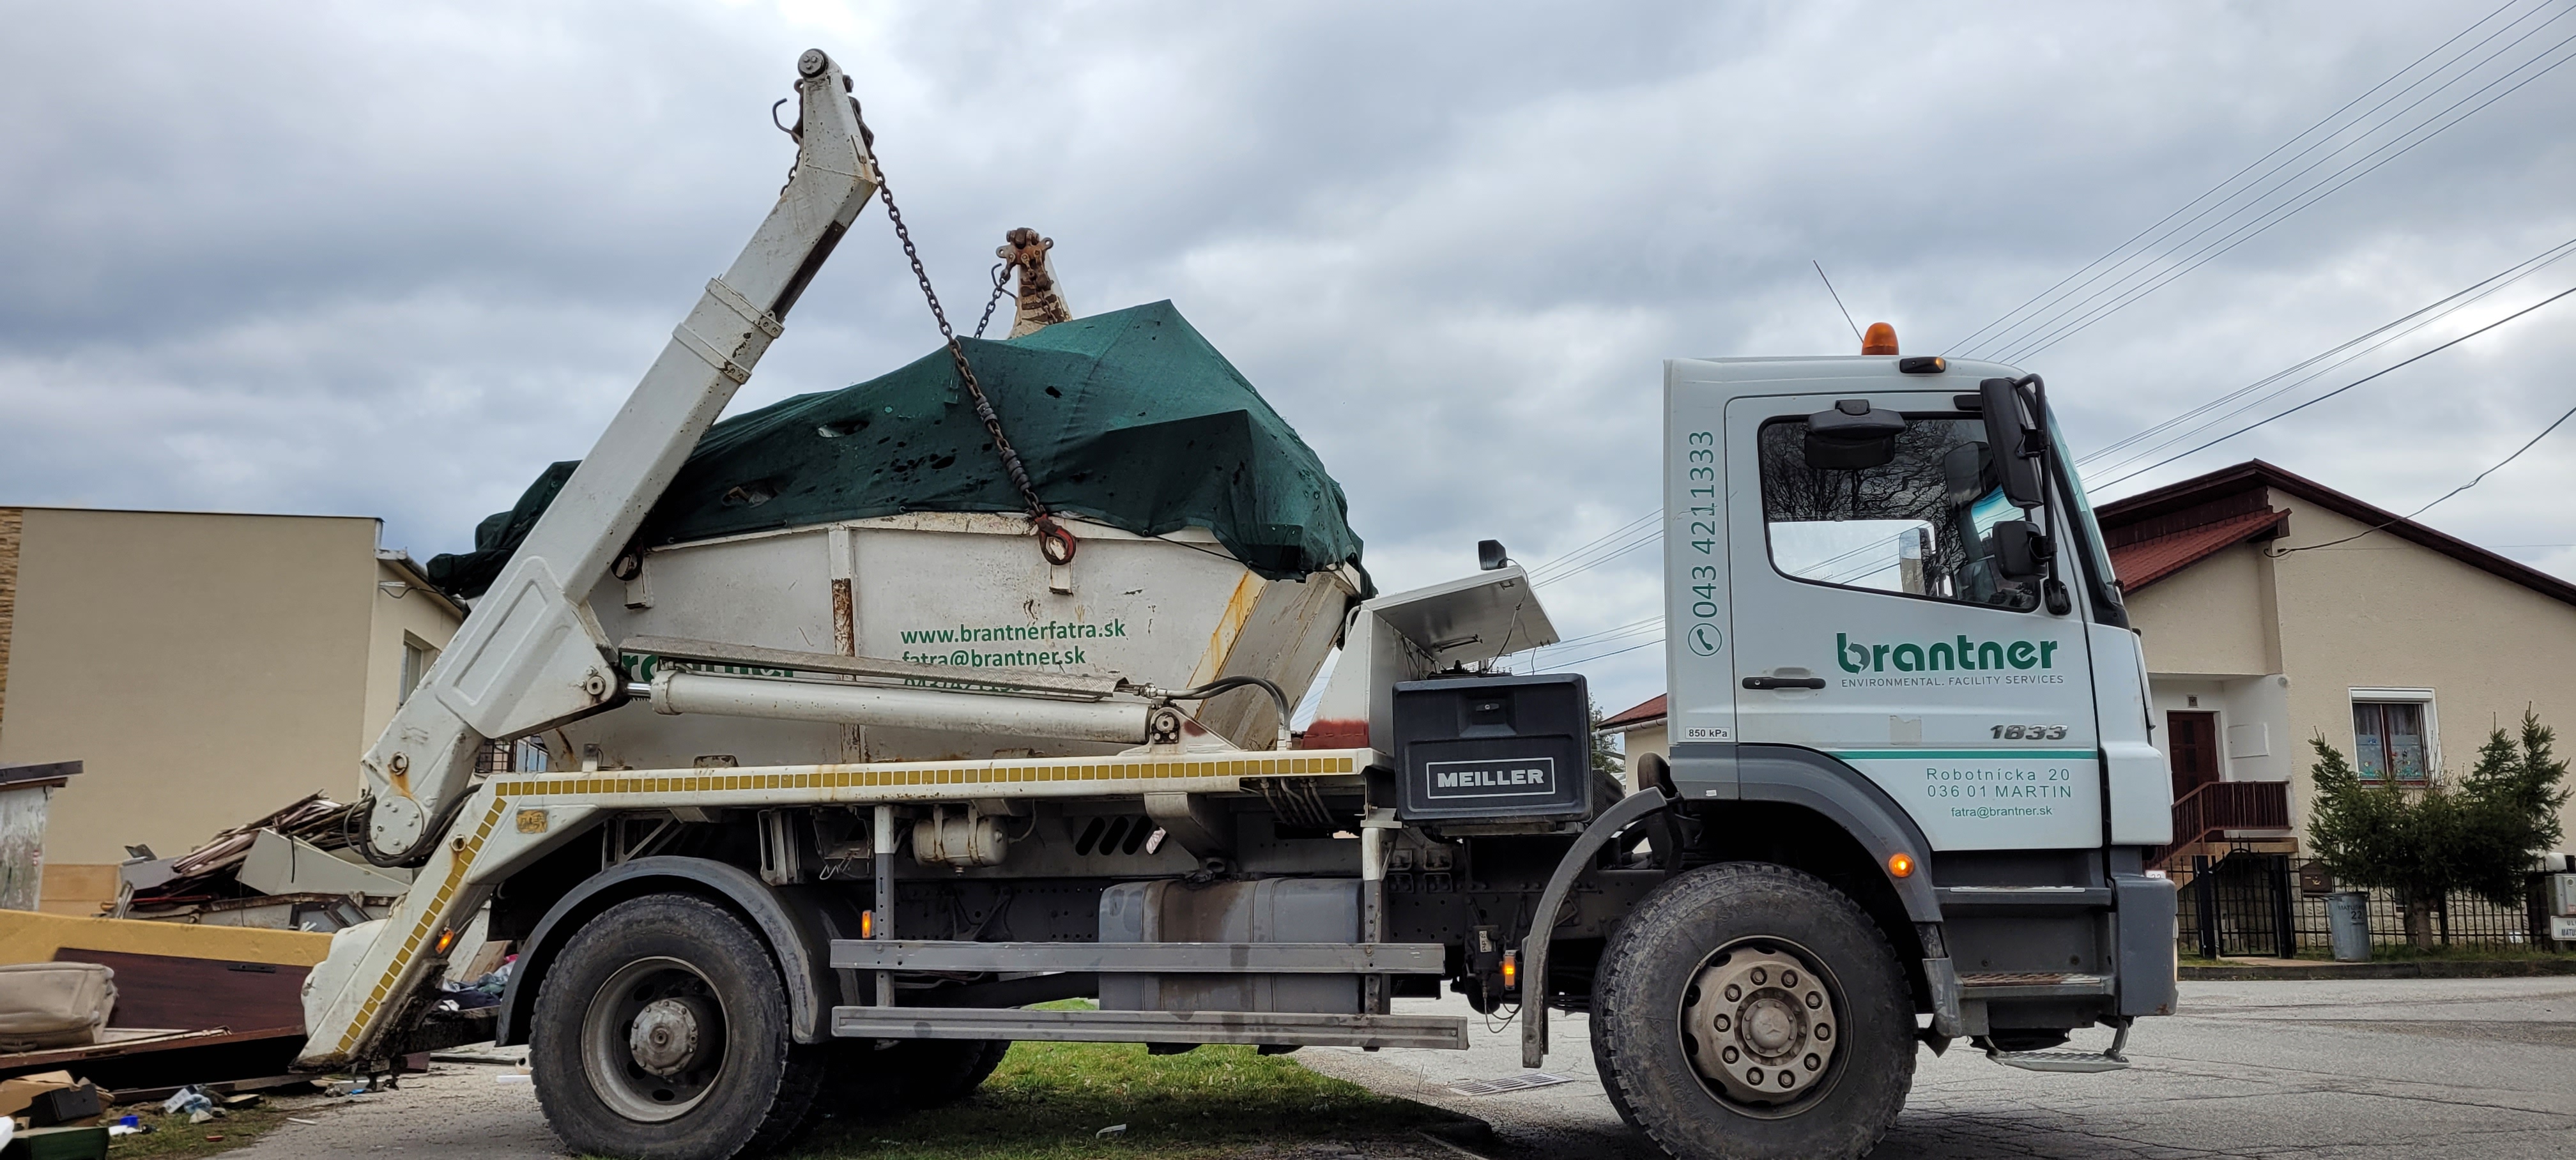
[{"x": 1909, "y": 800}]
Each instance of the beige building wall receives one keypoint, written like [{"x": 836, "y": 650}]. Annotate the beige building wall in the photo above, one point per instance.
[
  {"x": 1636, "y": 743},
  {"x": 206, "y": 668},
  {"x": 2383, "y": 612},
  {"x": 406, "y": 611},
  {"x": 2211, "y": 619},
  {"x": 2282, "y": 641}
]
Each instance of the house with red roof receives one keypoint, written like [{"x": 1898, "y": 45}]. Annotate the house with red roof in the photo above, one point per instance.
[
  {"x": 2276, "y": 609},
  {"x": 1641, "y": 730}
]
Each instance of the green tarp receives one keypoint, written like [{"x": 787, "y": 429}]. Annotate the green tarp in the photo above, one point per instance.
[{"x": 1130, "y": 418}]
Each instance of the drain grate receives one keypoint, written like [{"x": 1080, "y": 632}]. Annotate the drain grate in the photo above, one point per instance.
[{"x": 1509, "y": 1083}]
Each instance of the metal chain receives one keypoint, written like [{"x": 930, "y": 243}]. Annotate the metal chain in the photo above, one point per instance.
[
  {"x": 957, "y": 350},
  {"x": 1001, "y": 282}
]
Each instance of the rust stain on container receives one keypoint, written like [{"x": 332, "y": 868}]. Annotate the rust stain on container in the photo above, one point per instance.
[
  {"x": 845, "y": 626},
  {"x": 1238, "y": 609}
]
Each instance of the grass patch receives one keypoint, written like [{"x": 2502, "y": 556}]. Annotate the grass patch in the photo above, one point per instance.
[
  {"x": 174, "y": 1138},
  {"x": 1047, "y": 1101}
]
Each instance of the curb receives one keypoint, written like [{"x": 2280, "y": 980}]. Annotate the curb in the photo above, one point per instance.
[{"x": 2403, "y": 969}]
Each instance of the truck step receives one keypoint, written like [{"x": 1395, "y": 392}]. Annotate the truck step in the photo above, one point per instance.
[
  {"x": 2033, "y": 985},
  {"x": 2060, "y": 1061},
  {"x": 2074, "y": 1062}
]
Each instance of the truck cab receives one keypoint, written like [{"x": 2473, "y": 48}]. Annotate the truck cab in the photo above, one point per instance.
[{"x": 1898, "y": 669}]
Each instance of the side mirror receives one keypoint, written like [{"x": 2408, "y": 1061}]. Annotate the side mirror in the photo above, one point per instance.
[
  {"x": 2022, "y": 551},
  {"x": 1854, "y": 436},
  {"x": 2018, "y": 439},
  {"x": 1490, "y": 555}
]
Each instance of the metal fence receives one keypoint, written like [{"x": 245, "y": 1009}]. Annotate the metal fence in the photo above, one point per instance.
[{"x": 2250, "y": 904}]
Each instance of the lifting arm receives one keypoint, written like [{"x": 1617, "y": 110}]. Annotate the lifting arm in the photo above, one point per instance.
[{"x": 531, "y": 654}]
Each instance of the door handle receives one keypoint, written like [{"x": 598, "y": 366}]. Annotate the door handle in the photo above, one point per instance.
[{"x": 1784, "y": 682}]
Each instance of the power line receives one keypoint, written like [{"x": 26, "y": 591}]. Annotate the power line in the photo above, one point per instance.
[
  {"x": 1606, "y": 655},
  {"x": 2339, "y": 390},
  {"x": 1561, "y": 561},
  {"x": 2257, "y": 199},
  {"x": 2013, "y": 348},
  {"x": 2224, "y": 184},
  {"x": 2145, "y": 442},
  {"x": 2481, "y": 478},
  {"x": 1972, "y": 336},
  {"x": 1997, "y": 335},
  {"x": 2262, "y": 225},
  {"x": 1608, "y": 634},
  {"x": 1653, "y": 535}
]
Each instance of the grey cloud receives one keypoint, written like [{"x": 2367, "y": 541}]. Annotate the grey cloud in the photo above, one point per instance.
[{"x": 392, "y": 261}]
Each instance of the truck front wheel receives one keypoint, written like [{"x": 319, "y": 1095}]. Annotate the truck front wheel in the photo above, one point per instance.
[
  {"x": 1748, "y": 1011},
  {"x": 661, "y": 1033}
]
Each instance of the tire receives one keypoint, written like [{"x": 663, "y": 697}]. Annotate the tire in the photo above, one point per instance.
[
  {"x": 1819, "y": 1029},
  {"x": 1601, "y": 1067},
  {"x": 864, "y": 1082},
  {"x": 952, "y": 1069},
  {"x": 728, "y": 1077}
]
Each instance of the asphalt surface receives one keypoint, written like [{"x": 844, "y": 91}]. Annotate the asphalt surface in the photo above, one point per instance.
[
  {"x": 2385, "y": 1068},
  {"x": 2403, "y": 1067}
]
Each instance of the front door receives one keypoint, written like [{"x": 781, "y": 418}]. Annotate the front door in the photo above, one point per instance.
[
  {"x": 2192, "y": 740},
  {"x": 1870, "y": 624}
]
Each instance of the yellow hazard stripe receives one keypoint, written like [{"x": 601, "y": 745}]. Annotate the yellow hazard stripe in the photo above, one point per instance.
[
  {"x": 424, "y": 930},
  {"x": 872, "y": 777}
]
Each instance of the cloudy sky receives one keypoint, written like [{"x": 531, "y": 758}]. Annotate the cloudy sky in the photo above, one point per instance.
[{"x": 391, "y": 260}]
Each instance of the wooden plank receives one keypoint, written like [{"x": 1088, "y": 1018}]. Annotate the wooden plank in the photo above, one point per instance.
[
  {"x": 197, "y": 994},
  {"x": 28, "y": 937}
]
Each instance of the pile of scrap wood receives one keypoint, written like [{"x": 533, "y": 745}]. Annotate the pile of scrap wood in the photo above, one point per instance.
[
  {"x": 294, "y": 869},
  {"x": 140, "y": 1004}
]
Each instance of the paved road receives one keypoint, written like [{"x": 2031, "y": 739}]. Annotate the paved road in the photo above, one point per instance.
[
  {"x": 2412, "y": 1067},
  {"x": 2324, "y": 1070}
]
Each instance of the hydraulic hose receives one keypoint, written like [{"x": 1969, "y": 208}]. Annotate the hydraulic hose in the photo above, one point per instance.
[
  {"x": 354, "y": 827},
  {"x": 1278, "y": 698}
]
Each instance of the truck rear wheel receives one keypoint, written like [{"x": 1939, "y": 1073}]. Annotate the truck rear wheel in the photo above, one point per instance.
[
  {"x": 1748, "y": 1011},
  {"x": 661, "y": 1033}
]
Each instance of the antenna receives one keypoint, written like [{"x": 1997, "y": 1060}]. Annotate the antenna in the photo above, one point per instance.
[{"x": 1838, "y": 299}]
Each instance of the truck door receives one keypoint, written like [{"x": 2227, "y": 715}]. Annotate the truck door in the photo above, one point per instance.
[{"x": 1873, "y": 623}]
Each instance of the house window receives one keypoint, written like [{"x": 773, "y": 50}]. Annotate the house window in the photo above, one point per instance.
[
  {"x": 416, "y": 658},
  {"x": 2393, "y": 738}
]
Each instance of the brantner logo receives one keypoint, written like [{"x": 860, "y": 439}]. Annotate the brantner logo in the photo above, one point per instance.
[{"x": 1909, "y": 657}]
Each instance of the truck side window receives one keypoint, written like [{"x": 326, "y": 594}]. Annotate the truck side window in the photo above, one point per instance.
[{"x": 1921, "y": 524}]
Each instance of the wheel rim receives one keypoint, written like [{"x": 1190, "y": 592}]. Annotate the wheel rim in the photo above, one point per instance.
[
  {"x": 1761, "y": 1022},
  {"x": 653, "y": 1039}
]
